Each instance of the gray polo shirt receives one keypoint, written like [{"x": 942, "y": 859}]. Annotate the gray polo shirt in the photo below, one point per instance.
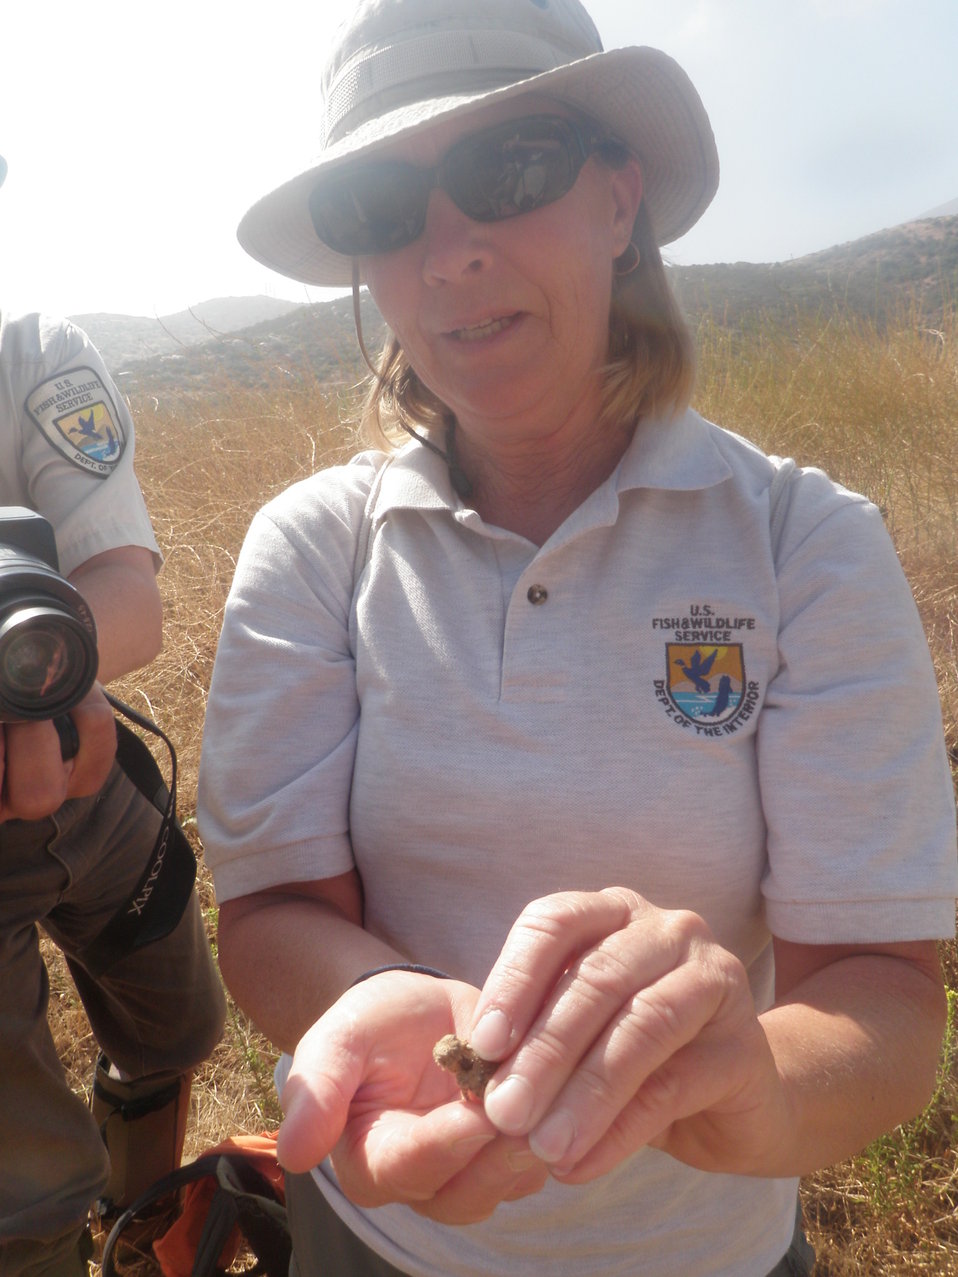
[{"x": 655, "y": 697}]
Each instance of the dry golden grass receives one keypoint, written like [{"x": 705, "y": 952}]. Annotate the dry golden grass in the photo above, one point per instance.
[{"x": 878, "y": 411}]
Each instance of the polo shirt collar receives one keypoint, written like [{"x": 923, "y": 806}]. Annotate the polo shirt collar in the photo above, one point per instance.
[
  {"x": 676, "y": 453},
  {"x": 417, "y": 479},
  {"x": 673, "y": 453}
]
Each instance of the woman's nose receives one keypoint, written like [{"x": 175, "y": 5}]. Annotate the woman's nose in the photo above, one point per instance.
[{"x": 453, "y": 243}]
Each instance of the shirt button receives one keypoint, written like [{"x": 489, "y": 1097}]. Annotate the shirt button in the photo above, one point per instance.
[{"x": 537, "y": 594}]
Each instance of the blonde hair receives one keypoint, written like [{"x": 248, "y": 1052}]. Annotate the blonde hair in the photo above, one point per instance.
[{"x": 650, "y": 370}]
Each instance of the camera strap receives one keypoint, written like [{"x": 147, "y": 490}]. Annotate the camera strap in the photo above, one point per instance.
[{"x": 163, "y": 890}]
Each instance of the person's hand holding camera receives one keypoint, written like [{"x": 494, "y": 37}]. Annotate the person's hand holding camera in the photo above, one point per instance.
[
  {"x": 35, "y": 778},
  {"x": 57, "y": 635}
]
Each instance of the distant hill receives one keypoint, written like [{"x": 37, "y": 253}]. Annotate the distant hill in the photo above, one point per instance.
[
  {"x": 253, "y": 340},
  {"x": 912, "y": 264},
  {"x": 943, "y": 210},
  {"x": 309, "y": 343},
  {"x": 123, "y": 338}
]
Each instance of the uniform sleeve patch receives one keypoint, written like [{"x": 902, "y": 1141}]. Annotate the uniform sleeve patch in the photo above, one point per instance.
[{"x": 76, "y": 415}]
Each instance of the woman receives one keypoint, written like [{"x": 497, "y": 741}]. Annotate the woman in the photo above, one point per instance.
[{"x": 576, "y": 727}]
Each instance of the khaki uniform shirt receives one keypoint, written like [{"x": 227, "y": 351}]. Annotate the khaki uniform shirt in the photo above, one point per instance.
[{"x": 66, "y": 440}]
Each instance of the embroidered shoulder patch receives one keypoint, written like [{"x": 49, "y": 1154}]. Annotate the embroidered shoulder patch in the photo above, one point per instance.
[{"x": 76, "y": 415}]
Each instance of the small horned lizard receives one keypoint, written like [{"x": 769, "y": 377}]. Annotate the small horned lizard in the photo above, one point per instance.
[{"x": 471, "y": 1070}]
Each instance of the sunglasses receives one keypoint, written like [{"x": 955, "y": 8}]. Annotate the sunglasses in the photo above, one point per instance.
[{"x": 498, "y": 173}]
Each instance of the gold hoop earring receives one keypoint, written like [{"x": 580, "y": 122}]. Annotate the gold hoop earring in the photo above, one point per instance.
[{"x": 627, "y": 262}]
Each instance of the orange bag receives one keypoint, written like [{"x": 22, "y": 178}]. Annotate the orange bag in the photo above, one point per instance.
[{"x": 234, "y": 1191}]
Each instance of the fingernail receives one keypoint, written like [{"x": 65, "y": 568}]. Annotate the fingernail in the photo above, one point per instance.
[
  {"x": 509, "y": 1105},
  {"x": 490, "y": 1037},
  {"x": 552, "y": 1139}
]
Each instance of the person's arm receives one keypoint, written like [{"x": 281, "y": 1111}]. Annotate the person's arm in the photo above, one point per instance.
[
  {"x": 856, "y": 1033},
  {"x": 287, "y": 953},
  {"x": 120, "y": 588}
]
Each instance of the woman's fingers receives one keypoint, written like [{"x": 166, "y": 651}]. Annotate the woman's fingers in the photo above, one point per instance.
[
  {"x": 450, "y": 1163},
  {"x": 716, "y": 1091},
  {"x": 715, "y": 1102},
  {"x": 504, "y": 1171},
  {"x": 592, "y": 1050},
  {"x": 547, "y": 936},
  {"x": 599, "y": 965},
  {"x": 397, "y": 1155},
  {"x": 619, "y": 1048}
]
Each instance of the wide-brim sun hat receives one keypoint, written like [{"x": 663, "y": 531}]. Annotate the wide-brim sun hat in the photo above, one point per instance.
[{"x": 398, "y": 67}]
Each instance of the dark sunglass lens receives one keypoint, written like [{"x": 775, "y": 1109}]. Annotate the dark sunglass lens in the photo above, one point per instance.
[
  {"x": 370, "y": 210},
  {"x": 512, "y": 169}
]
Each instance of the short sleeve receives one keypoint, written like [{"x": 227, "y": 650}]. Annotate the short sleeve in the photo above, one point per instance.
[
  {"x": 76, "y": 441},
  {"x": 282, "y": 718},
  {"x": 855, "y": 784}
]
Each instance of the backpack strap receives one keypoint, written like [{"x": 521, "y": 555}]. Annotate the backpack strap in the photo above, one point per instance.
[
  {"x": 163, "y": 1187},
  {"x": 244, "y": 1199}
]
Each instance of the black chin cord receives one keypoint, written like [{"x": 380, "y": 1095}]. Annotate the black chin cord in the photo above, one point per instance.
[
  {"x": 457, "y": 476},
  {"x": 460, "y": 480}
]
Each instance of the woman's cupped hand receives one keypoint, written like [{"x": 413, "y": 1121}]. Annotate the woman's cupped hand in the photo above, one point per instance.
[{"x": 364, "y": 1090}]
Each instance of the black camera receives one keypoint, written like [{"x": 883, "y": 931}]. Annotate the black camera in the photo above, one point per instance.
[{"x": 48, "y": 652}]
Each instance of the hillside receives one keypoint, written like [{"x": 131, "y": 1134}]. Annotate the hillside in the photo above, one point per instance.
[
  {"x": 915, "y": 264},
  {"x": 314, "y": 343},
  {"x": 126, "y": 338}
]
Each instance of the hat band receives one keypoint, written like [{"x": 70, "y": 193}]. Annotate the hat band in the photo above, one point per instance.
[{"x": 437, "y": 65}]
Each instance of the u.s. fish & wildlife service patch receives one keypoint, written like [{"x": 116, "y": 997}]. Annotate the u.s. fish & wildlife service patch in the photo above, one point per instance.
[{"x": 78, "y": 418}]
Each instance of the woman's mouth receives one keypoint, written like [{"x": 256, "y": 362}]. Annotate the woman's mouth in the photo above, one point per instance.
[{"x": 480, "y": 332}]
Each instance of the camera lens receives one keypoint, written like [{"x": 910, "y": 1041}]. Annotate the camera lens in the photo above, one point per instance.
[
  {"x": 48, "y": 652},
  {"x": 47, "y": 662}
]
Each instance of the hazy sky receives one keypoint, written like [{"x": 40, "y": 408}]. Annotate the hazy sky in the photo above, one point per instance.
[{"x": 137, "y": 134}]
